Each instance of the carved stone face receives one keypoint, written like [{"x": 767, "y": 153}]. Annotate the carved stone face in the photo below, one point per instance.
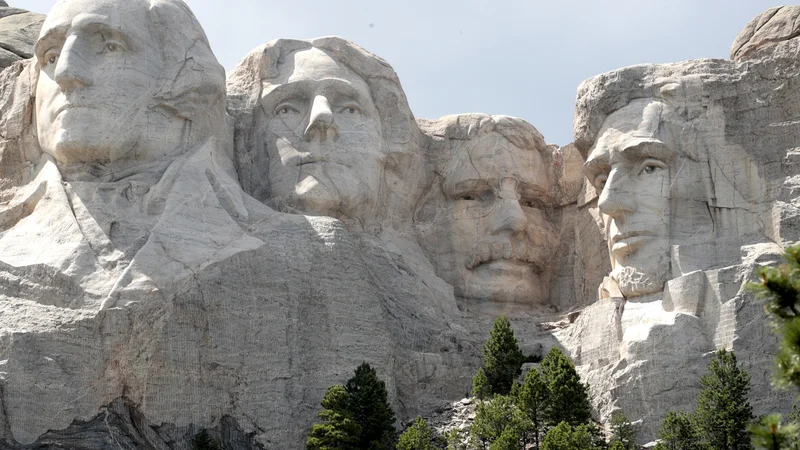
[
  {"x": 500, "y": 236},
  {"x": 323, "y": 138},
  {"x": 630, "y": 167},
  {"x": 97, "y": 65}
]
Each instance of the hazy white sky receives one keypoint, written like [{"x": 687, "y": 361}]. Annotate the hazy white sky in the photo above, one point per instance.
[{"x": 522, "y": 58}]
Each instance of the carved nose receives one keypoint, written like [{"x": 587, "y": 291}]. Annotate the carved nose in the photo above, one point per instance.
[
  {"x": 72, "y": 68},
  {"x": 320, "y": 120},
  {"x": 508, "y": 217},
  {"x": 616, "y": 199}
]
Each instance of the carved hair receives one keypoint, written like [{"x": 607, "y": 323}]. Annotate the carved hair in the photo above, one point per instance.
[
  {"x": 193, "y": 81},
  {"x": 465, "y": 127},
  {"x": 246, "y": 84},
  {"x": 676, "y": 85}
]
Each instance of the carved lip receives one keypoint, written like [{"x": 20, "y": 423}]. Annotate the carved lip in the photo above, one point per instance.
[
  {"x": 628, "y": 235},
  {"x": 67, "y": 106},
  {"x": 622, "y": 244},
  {"x": 314, "y": 159},
  {"x": 512, "y": 267}
]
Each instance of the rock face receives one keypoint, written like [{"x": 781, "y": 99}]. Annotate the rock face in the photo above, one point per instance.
[
  {"x": 19, "y": 30},
  {"x": 693, "y": 167},
  {"x": 180, "y": 251},
  {"x": 768, "y": 28}
]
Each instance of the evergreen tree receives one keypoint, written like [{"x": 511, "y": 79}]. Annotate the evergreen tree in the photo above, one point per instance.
[
  {"x": 678, "y": 433},
  {"x": 370, "y": 408},
  {"x": 502, "y": 357},
  {"x": 480, "y": 385},
  {"x": 419, "y": 436},
  {"x": 203, "y": 441},
  {"x": 564, "y": 437},
  {"x": 623, "y": 435},
  {"x": 495, "y": 417},
  {"x": 772, "y": 433},
  {"x": 568, "y": 398},
  {"x": 339, "y": 430},
  {"x": 780, "y": 286},
  {"x": 723, "y": 413},
  {"x": 532, "y": 399}
]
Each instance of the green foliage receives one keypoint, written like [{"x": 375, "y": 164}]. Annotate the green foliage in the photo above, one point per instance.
[
  {"x": 480, "y": 385},
  {"x": 419, "y": 436},
  {"x": 204, "y": 441},
  {"x": 495, "y": 417},
  {"x": 532, "y": 400},
  {"x": 508, "y": 440},
  {"x": 723, "y": 413},
  {"x": 780, "y": 287},
  {"x": 456, "y": 439},
  {"x": 568, "y": 398},
  {"x": 623, "y": 435},
  {"x": 502, "y": 357},
  {"x": 771, "y": 433},
  {"x": 678, "y": 433},
  {"x": 339, "y": 430},
  {"x": 369, "y": 406},
  {"x": 564, "y": 437}
]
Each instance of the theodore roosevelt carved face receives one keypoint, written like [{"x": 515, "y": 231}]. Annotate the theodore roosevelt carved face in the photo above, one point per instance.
[
  {"x": 496, "y": 238},
  {"x": 630, "y": 165}
]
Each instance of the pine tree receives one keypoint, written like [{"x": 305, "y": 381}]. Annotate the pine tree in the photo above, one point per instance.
[
  {"x": 622, "y": 432},
  {"x": 568, "y": 398},
  {"x": 502, "y": 357},
  {"x": 564, "y": 437},
  {"x": 678, "y": 432},
  {"x": 723, "y": 413},
  {"x": 532, "y": 399},
  {"x": 480, "y": 385},
  {"x": 203, "y": 441},
  {"x": 495, "y": 417},
  {"x": 780, "y": 286},
  {"x": 339, "y": 430},
  {"x": 370, "y": 408},
  {"x": 419, "y": 436},
  {"x": 773, "y": 433}
]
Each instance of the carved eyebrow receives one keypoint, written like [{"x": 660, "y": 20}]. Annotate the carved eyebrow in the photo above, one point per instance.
[
  {"x": 595, "y": 166},
  {"x": 50, "y": 38},
  {"x": 644, "y": 150},
  {"x": 295, "y": 88}
]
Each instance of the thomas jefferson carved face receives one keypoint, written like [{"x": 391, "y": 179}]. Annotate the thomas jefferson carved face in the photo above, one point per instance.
[
  {"x": 98, "y": 62},
  {"x": 323, "y": 138},
  {"x": 500, "y": 237},
  {"x": 631, "y": 169}
]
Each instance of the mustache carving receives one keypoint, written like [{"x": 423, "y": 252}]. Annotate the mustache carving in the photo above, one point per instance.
[{"x": 484, "y": 252}]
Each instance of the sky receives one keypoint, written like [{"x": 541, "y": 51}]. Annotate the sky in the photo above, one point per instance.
[{"x": 521, "y": 58}]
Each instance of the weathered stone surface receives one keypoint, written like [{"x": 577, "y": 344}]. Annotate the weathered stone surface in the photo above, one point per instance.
[
  {"x": 768, "y": 28},
  {"x": 19, "y": 30},
  {"x": 218, "y": 263},
  {"x": 692, "y": 165}
]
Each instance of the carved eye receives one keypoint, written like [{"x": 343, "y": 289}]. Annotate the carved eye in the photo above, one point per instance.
[
  {"x": 350, "y": 109},
  {"x": 532, "y": 203},
  {"x": 651, "y": 167},
  {"x": 285, "y": 109},
  {"x": 600, "y": 182},
  {"x": 468, "y": 197},
  {"x": 112, "y": 47},
  {"x": 52, "y": 59}
]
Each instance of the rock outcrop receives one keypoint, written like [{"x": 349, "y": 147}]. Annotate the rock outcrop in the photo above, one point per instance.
[
  {"x": 19, "y": 30},
  {"x": 181, "y": 251}
]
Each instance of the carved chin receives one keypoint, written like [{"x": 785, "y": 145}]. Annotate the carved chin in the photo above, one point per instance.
[{"x": 635, "y": 283}]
